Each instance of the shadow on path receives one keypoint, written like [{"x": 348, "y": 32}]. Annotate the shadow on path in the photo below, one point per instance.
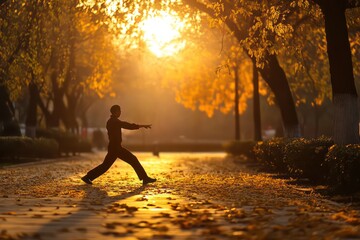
[{"x": 88, "y": 214}]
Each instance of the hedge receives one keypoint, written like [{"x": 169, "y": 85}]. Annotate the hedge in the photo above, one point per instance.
[
  {"x": 98, "y": 139},
  {"x": 16, "y": 147},
  {"x": 319, "y": 160},
  {"x": 344, "y": 167},
  {"x": 68, "y": 142},
  {"x": 244, "y": 148},
  {"x": 306, "y": 157},
  {"x": 270, "y": 154}
]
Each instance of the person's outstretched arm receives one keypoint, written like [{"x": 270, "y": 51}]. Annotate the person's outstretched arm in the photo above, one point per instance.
[
  {"x": 145, "y": 126},
  {"x": 132, "y": 126}
]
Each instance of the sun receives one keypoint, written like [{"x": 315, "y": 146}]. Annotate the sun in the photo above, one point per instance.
[{"x": 162, "y": 34}]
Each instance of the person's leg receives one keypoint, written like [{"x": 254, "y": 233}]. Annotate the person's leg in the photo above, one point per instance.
[
  {"x": 131, "y": 159},
  {"x": 103, "y": 167}
]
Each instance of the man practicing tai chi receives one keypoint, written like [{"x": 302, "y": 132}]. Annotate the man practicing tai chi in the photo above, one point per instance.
[{"x": 115, "y": 150}]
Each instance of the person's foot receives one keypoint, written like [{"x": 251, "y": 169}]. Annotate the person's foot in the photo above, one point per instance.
[
  {"x": 148, "y": 180},
  {"x": 86, "y": 179}
]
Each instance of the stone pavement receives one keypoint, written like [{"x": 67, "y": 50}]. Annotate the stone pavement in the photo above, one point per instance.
[{"x": 197, "y": 196}]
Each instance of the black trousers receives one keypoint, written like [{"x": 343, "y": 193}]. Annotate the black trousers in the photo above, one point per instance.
[{"x": 112, "y": 155}]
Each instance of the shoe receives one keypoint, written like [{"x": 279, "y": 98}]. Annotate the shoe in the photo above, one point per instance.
[
  {"x": 148, "y": 180},
  {"x": 86, "y": 179}
]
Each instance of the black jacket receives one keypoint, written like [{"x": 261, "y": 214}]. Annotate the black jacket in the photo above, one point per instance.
[{"x": 114, "y": 126}]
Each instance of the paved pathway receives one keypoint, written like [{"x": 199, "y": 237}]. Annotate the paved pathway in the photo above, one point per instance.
[{"x": 197, "y": 196}]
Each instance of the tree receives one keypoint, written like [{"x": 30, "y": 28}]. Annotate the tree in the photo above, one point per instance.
[
  {"x": 199, "y": 86},
  {"x": 249, "y": 35},
  {"x": 256, "y": 104},
  {"x": 306, "y": 65},
  {"x": 62, "y": 57},
  {"x": 345, "y": 98},
  {"x": 13, "y": 37}
]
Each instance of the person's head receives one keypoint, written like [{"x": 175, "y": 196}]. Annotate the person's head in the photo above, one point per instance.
[{"x": 115, "y": 110}]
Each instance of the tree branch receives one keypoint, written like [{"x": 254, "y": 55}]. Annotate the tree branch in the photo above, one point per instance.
[{"x": 203, "y": 8}]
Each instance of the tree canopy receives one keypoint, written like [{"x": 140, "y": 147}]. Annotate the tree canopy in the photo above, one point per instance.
[{"x": 63, "y": 55}]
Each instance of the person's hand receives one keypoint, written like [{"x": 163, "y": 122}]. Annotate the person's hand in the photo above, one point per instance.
[{"x": 146, "y": 126}]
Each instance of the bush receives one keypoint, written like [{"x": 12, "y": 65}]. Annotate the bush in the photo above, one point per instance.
[
  {"x": 84, "y": 146},
  {"x": 68, "y": 142},
  {"x": 15, "y": 147},
  {"x": 46, "y": 147},
  {"x": 344, "y": 167},
  {"x": 317, "y": 159},
  {"x": 306, "y": 157},
  {"x": 240, "y": 148},
  {"x": 270, "y": 153},
  {"x": 10, "y": 128},
  {"x": 98, "y": 139}
]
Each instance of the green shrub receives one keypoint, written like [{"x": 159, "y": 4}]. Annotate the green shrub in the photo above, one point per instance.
[
  {"x": 240, "y": 148},
  {"x": 270, "y": 153},
  {"x": 84, "y": 146},
  {"x": 306, "y": 157},
  {"x": 68, "y": 142},
  {"x": 46, "y": 147},
  {"x": 10, "y": 128},
  {"x": 98, "y": 139},
  {"x": 15, "y": 147},
  {"x": 344, "y": 167},
  {"x": 316, "y": 159}
]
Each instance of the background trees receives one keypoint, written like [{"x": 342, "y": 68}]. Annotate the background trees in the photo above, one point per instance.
[
  {"x": 56, "y": 52},
  {"x": 62, "y": 57},
  {"x": 268, "y": 25},
  {"x": 345, "y": 98}
]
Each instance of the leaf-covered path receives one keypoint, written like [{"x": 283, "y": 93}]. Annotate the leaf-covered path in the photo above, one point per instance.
[{"x": 197, "y": 196}]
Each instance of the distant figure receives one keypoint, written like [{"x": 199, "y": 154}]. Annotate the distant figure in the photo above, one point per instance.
[
  {"x": 156, "y": 151},
  {"x": 115, "y": 150}
]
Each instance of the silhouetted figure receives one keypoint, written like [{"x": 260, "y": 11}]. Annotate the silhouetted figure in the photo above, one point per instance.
[
  {"x": 156, "y": 151},
  {"x": 115, "y": 150}
]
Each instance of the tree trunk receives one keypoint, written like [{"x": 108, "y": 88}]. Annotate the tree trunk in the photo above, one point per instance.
[
  {"x": 49, "y": 119},
  {"x": 71, "y": 115},
  {"x": 10, "y": 125},
  {"x": 53, "y": 119},
  {"x": 31, "y": 114},
  {"x": 236, "y": 101},
  {"x": 275, "y": 77},
  {"x": 317, "y": 119},
  {"x": 69, "y": 110},
  {"x": 346, "y": 121},
  {"x": 6, "y": 114},
  {"x": 256, "y": 106}
]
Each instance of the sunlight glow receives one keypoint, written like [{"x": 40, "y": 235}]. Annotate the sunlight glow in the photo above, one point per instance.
[
  {"x": 162, "y": 33},
  {"x": 137, "y": 23}
]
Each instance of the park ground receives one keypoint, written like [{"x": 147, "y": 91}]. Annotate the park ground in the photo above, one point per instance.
[{"x": 197, "y": 196}]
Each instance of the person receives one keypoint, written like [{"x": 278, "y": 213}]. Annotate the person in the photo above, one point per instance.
[{"x": 115, "y": 149}]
